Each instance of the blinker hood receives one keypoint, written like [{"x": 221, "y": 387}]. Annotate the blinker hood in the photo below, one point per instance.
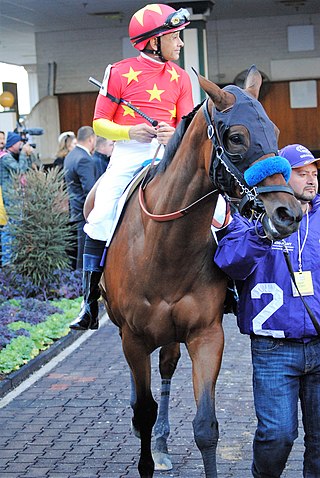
[{"x": 256, "y": 122}]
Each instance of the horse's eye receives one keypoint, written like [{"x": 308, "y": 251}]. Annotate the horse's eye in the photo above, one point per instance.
[{"x": 236, "y": 139}]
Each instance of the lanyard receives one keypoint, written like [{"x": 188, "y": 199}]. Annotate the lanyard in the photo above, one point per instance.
[
  {"x": 289, "y": 265},
  {"x": 301, "y": 247}
]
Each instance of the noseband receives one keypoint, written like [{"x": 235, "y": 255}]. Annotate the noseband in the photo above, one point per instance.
[{"x": 249, "y": 196}]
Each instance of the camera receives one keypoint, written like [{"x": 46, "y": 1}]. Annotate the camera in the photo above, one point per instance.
[{"x": 26, "y": 134}]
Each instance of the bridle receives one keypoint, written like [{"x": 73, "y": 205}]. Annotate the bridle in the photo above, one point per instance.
[
  {"x": 249, "y": 201},
  {"x": 249, "y": 197}
]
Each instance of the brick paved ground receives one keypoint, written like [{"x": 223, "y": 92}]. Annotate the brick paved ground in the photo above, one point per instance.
[{"x": 74, "y": 422}]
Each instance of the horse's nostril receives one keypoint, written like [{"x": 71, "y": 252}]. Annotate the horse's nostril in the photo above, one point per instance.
[{"x": 285, "y": 215}]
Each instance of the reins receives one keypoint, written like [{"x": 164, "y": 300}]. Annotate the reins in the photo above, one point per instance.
[
  {"x": 176, "y": 214},
  {"x": 173, "y": 215}
]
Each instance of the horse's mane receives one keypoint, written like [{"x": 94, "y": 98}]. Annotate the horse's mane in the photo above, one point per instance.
[{"x": 174, "y": 143}]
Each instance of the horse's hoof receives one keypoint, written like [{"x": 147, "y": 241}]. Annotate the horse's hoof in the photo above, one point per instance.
[
  {"x": 135, "y": 431},
  {"x": 162, "y": 461}
]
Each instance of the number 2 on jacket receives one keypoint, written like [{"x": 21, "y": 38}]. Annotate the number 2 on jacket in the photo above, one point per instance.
[{"x": 268, "y": 310}]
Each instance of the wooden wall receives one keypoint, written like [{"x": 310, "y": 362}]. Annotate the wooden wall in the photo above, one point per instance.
[
  {"x": 299, "y": 125},
  {"x": 296, "y": 125},
  {"x": 76, "y": 110}
]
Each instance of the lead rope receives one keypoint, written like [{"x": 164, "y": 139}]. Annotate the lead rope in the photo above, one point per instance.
[{"x": 289, "y": 265}]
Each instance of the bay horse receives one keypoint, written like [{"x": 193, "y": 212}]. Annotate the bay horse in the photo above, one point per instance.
[{"x": 160, "y": 284}]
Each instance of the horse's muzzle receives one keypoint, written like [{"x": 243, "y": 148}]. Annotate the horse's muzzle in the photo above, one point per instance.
[{"x": 282, "y": 224}]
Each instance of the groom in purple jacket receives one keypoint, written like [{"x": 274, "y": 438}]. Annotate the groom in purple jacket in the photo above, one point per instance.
[{"x": 285, "y": 345}]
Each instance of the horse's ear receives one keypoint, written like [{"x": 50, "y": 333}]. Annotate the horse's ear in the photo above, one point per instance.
[
  {"x": 253, "y": 81},
  {"x": 221, "y": 98}
]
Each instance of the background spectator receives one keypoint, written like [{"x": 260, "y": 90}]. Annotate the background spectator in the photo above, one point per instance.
[
  {"x": 2, "y": 140},
  {"x": 102, "y": 154},
  {"x": 66, "y": 142},
  {"x": 79, "y": 173},
  {"x": 14, "y": 159},
  {"x": 33, "y": 159}
]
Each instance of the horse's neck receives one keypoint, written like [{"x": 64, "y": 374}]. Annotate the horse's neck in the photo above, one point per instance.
[{"x": 184, "y": 182}]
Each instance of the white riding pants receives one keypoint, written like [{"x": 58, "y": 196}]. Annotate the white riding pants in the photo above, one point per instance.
[{"x": 126, "y": 158}]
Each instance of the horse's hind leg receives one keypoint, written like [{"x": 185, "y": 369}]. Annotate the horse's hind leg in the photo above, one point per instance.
[
  {"x": 145, "y": 407},
  {"x": 206, "y": 353},
  {"x": 168, "y": 359}
]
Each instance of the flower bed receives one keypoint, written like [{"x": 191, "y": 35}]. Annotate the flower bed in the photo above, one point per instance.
[{"x": 31, "y": 318}]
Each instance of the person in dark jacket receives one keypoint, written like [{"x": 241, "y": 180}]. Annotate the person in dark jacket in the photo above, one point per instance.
[
  {"x": 102, "y": 154},
  {"x": 79, "y": 173},
  {"x": 285, "y": 344}
]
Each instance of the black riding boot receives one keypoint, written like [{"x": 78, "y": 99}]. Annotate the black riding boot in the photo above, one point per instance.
[
  {"x": 92, "y": 272},
  {"x": 88, "y": 317}
]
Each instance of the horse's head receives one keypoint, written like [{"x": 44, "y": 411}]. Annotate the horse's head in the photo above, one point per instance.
[{"x": 243, "y": 138}]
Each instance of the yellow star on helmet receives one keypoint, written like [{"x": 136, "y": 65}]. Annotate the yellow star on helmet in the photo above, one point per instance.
[
  {"x": 174, "y": 74},
  {"x": 132, "y": 75},
  {"x": 173, "y": 112},
  {"x": 128, "y": 111},
  {"x": 155, "y": 93},
  {"x": 140, "y": 13}
]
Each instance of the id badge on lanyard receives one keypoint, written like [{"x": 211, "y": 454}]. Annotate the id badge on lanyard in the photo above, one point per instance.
[
  {"x": 303, "y": 278},
  {"x": 304, "y": 283}
]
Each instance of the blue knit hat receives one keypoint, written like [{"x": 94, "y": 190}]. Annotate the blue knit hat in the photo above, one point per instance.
[{"x": 12, "y": 138}]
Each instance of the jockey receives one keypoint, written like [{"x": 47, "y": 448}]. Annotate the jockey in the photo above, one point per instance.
[{"x": 161, "y": 90}]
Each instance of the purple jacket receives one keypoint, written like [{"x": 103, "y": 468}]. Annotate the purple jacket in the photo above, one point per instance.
[{"x": 266, "y": 302}]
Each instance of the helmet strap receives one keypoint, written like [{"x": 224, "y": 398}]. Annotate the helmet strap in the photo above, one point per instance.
[
  {"x": 152, "y": 52},
  {"x": 159, "y": 50},
  {"x": 156, "y": 52}
]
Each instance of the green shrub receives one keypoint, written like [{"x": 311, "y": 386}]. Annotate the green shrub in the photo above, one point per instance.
[{"x": 39, "y": 225}]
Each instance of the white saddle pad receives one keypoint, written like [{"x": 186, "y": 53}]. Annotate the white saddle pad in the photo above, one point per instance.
[{"x": 131, "y": 187}]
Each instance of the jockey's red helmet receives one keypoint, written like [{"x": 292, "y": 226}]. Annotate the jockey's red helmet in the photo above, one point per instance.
[{"x": 155, "y": 20}]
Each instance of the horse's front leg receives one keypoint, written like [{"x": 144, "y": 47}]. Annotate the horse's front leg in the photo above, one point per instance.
[
  {"x": 205, "y": 350},
  {"x": 145, "y": 407},
  {"x": 168, "y": 359}
]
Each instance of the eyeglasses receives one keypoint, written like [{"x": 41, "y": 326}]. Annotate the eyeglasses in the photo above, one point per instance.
[{"x": 178, "y": 18}]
